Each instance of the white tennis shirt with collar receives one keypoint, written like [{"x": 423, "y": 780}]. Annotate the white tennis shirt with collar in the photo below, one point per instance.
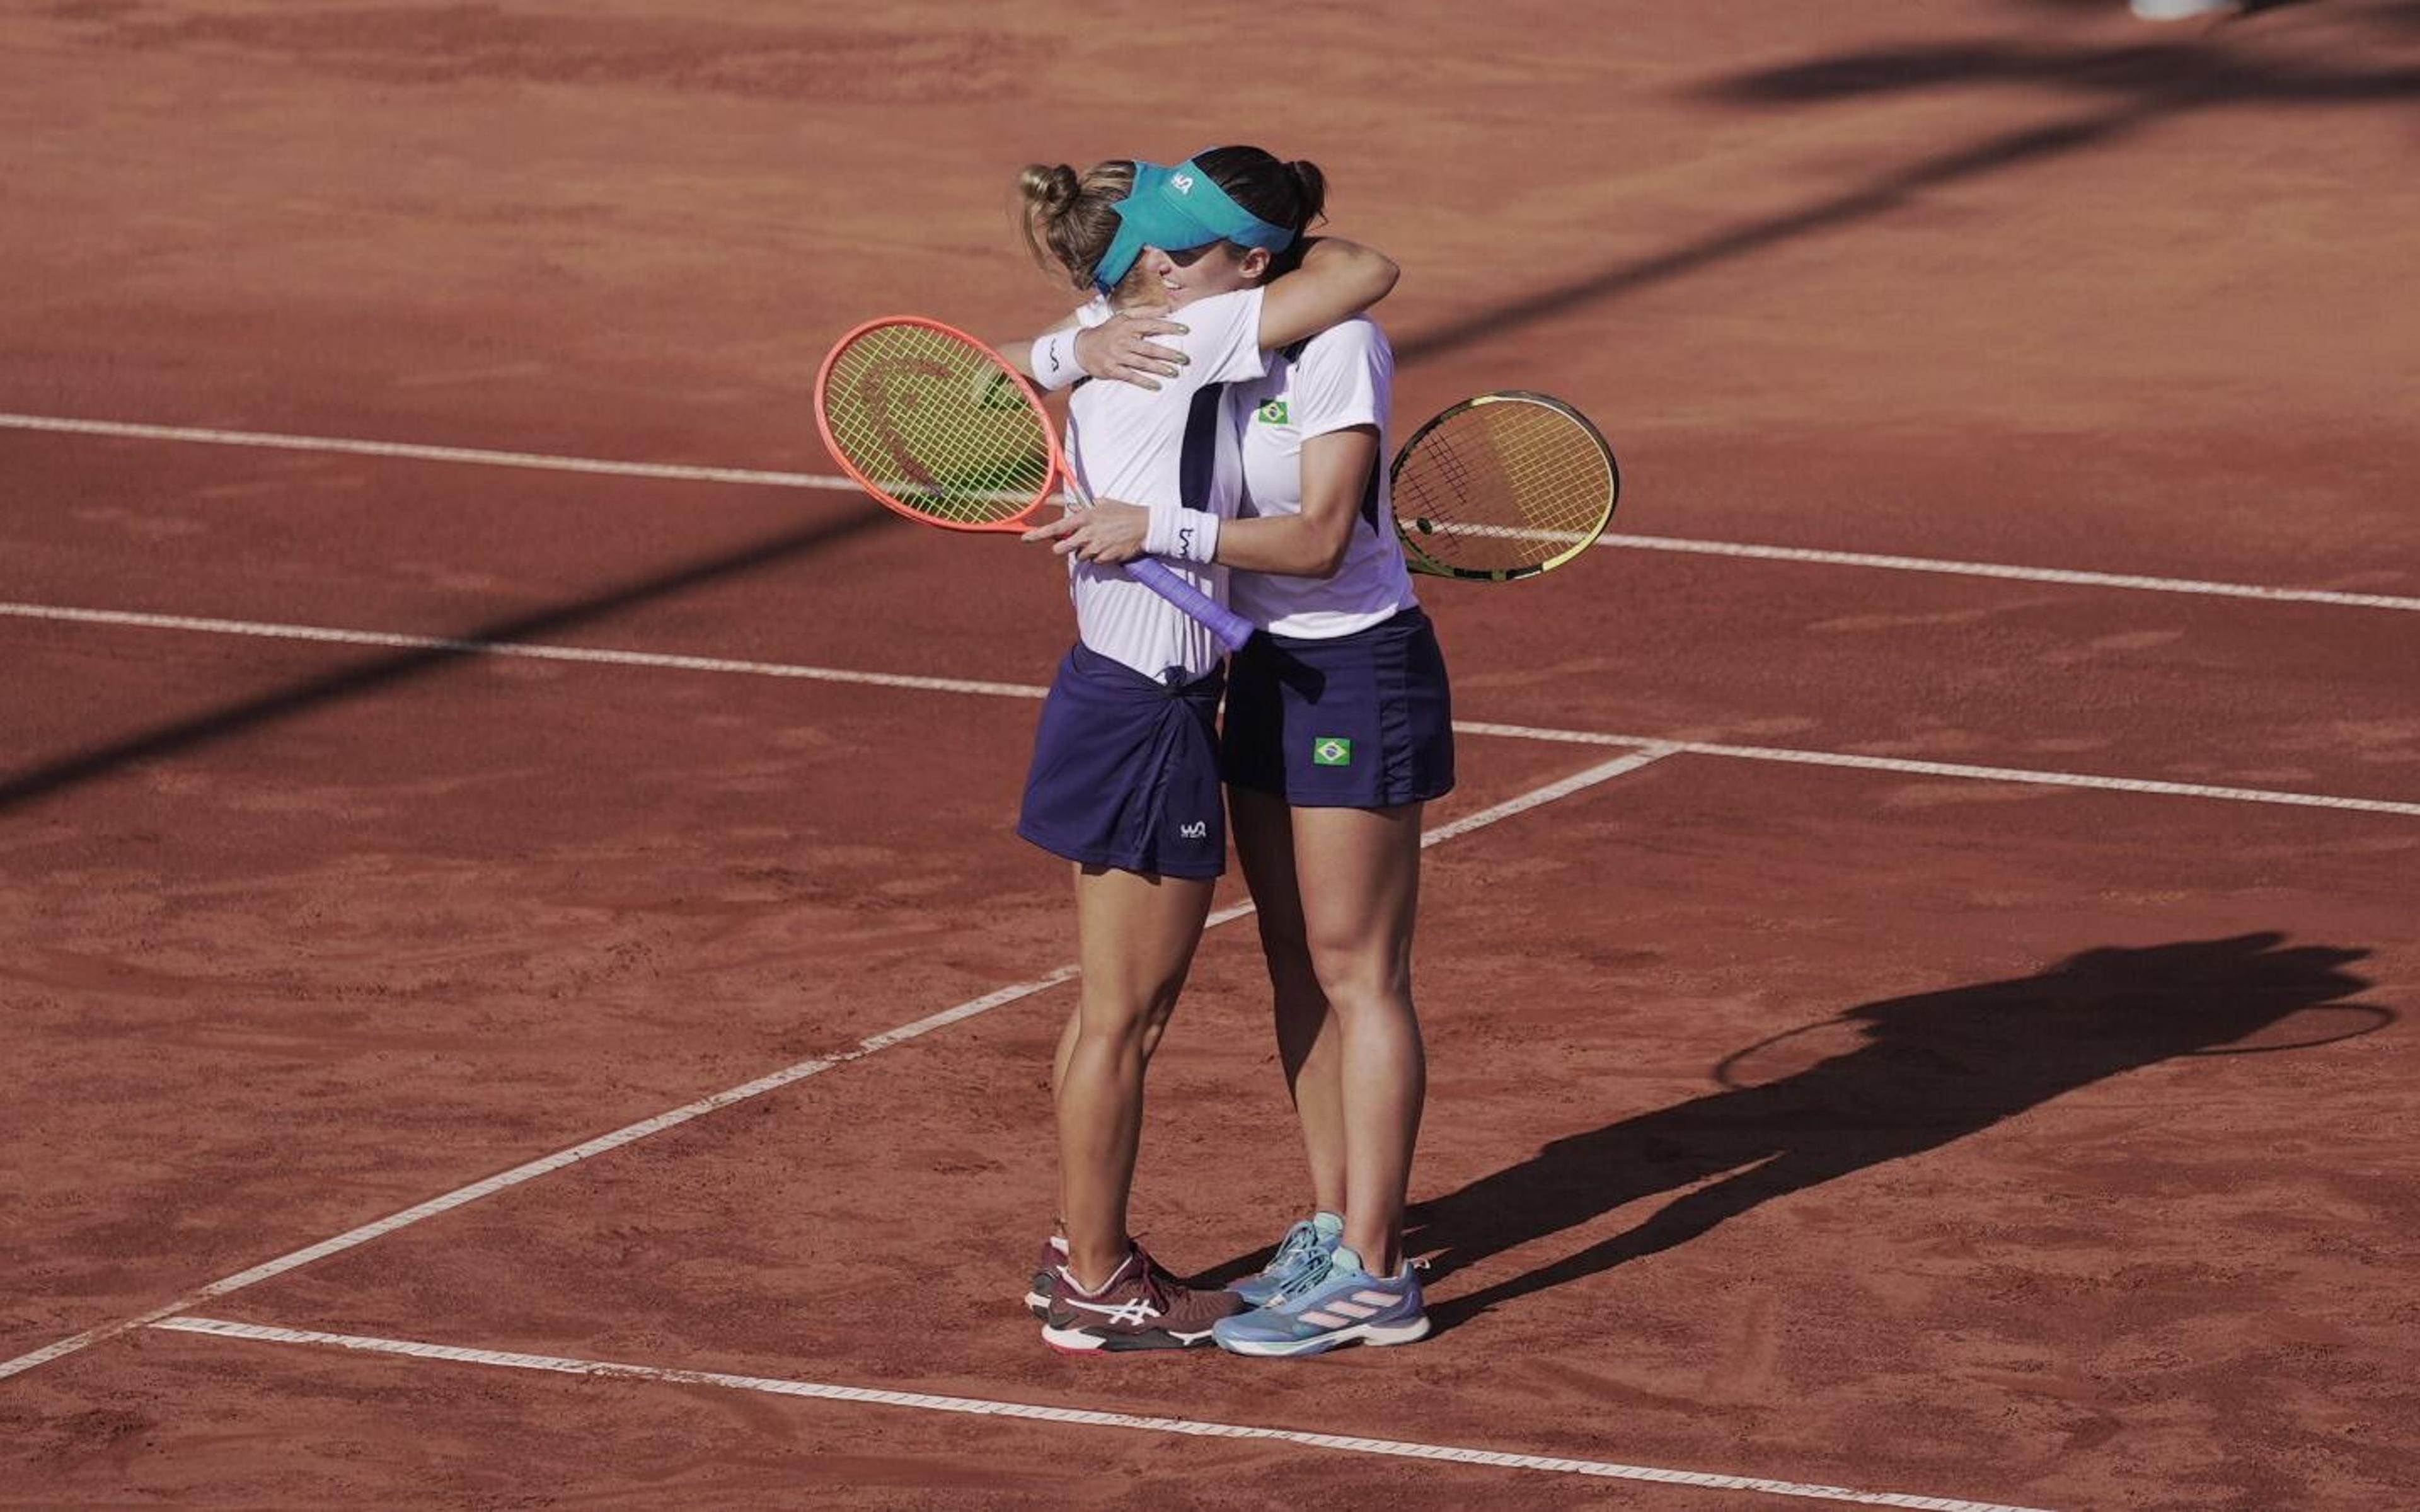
[
  {"x": 1169, "y": 445},
  {"x": 1343, "y": 376}
]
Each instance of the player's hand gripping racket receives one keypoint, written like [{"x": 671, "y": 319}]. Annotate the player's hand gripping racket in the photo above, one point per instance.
[
  {"x": 1503, "y": 486},
  {"x": 937, "y": 426}
]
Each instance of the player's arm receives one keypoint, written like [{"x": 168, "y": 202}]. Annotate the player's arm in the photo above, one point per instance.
[
  {"x": 1122, "y": 347},
  {"x": 1339, "y": 394},
  {"x": 1337, "y": 279},
  {"x": 1335, "y": 479},
  {"x": 1019, "y": 354},
  {"x": 1336, "y": 471}
]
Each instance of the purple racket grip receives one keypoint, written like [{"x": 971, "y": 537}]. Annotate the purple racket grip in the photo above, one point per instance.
[{"x": 1231, "y": 628}]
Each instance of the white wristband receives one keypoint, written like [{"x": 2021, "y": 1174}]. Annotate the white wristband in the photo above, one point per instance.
[
  {"x": 1054, "y": 360},
  {"x": 1182, "y": 535}
]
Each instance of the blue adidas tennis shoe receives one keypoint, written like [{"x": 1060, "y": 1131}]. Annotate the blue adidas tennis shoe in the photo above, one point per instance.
[
  {"x": 1338, "y": 1303},
  {"x": 1306, "y": 1246}
]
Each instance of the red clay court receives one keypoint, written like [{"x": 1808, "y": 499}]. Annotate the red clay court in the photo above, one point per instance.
[{"x": 523, "y": 990}]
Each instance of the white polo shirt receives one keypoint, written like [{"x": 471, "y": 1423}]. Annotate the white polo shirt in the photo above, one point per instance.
[
  {"x": 1343, "y": 376},
  {"x": 1169, "y": 445}
]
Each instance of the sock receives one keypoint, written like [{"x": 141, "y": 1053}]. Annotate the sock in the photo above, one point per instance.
[{"x": 1069, "y": 1276}]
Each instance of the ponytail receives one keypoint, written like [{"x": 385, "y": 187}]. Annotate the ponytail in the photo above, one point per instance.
[{"x": 1310, "y": 194}]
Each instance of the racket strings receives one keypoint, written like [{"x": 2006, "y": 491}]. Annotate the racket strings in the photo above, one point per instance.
[
  {"x": 933, "y": 422},
  {"x": 1504, "y": 486}
]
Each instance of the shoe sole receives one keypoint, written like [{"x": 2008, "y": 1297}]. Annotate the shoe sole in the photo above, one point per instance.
[
  {"x": 1076, "y": 1341},
  {"x": 1377, "y": 1334}
]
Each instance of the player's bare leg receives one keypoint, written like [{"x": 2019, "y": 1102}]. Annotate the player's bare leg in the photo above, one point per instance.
[{"x": 1136, "y": 934}]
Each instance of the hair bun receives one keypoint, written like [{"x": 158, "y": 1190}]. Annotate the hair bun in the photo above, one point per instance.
[{"x": 1048, "y": 189}]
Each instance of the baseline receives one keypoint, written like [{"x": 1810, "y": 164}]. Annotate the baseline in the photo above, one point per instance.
[{"x": 1080, "y": 1417}]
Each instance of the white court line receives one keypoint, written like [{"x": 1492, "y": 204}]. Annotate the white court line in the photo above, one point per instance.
[
  {"x": 2025, "y": 776},
  {"x": 944, "y": 684},
  {"x": 526, "y": 650},
  {"x": 1652, "y": 750},
  {"x": 1075, "y": 1416},
  {"x": 547, "y": 462},
  {"x": 1993, "y": 569},
  {"x": 630, "y": 1134},
  {"x": 545, "y": 1164},
  {"x": 478, "y": 456}
]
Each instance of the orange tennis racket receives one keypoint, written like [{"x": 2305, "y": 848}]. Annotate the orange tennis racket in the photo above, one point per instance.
[{"x": 936, "y": 426}]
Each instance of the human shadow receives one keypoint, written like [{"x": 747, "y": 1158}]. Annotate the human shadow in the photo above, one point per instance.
[
  {"x": 179, "y": 736},
  {"x": 2162, "y": 77},
  {"x": 2128, "y": 87},
  {"x": 2241, "y": 9},
  {"x": 1930, "y": 1070}
]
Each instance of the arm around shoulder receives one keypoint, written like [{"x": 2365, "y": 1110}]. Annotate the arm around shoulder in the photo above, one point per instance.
[{"x": 1337, "y": 279}]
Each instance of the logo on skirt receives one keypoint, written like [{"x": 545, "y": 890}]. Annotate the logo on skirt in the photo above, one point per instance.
[
  {"x": 1331, "y": 750},
  {"x": 1198, "y": 829}
]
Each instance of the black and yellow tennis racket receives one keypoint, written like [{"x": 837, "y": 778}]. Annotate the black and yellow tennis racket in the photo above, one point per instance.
[{"x": 1503, "y": 486}]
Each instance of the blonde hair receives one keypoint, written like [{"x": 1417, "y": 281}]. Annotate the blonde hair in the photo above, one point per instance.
[{"x": 1068, "y": 221}]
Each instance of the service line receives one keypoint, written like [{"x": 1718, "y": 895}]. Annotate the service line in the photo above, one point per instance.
[
  {"x": 671, "y": 472},
  {"x": 1849, "y": 760}
]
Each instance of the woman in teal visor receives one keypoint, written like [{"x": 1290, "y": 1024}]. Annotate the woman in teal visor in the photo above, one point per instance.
[
  {"x": 1186, "y": 208},
  {"x": 1124, "y": 781},
  {"x": 1337, "y": 729}
]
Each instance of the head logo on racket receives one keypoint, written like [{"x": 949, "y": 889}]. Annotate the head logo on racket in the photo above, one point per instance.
[{"x": 936, "y": 426}]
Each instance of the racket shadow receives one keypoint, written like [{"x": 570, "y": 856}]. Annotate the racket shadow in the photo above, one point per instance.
[{"x": 1931, "y": 1069}]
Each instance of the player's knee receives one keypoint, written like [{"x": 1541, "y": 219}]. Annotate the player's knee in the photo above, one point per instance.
[
  {"x": 1122, "y": 1016},
  {"x": 1363, "y": 983}
]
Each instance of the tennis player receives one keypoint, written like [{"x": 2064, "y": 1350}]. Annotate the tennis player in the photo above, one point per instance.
[
  {"x": 1339, "y": 729},
  {"x": 1125, "y": 779}
]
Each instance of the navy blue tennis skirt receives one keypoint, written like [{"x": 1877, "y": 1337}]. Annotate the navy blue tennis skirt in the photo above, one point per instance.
[
  {"x": 1126, "y": 771},
  {"x": 1359, "y": 721}
]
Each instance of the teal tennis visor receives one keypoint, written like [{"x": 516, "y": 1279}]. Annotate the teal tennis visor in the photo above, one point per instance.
[{"x": 1176, "y": 209}]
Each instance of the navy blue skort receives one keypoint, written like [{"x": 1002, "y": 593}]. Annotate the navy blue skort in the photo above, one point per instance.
[
  {"x": 1126, "y": 771},
  {"x": 1359, "y": 721}
]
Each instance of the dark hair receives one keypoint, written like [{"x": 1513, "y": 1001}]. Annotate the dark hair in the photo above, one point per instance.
[{"x": 1291, "y": 194}]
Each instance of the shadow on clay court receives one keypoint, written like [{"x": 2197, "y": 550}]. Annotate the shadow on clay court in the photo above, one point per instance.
[
  {"x": 20, "y": 789},
  {"x": 1918, "y": 1072},
  {"x": 2133, "y": 86},
  {"x": 2160, "y": 77},
  {"x": 2241, "y": 10}
]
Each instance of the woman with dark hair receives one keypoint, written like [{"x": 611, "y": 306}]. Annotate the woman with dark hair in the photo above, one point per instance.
[
  {"x": 1124, "y": 777},
  {"x": 1338, "y": 728}
]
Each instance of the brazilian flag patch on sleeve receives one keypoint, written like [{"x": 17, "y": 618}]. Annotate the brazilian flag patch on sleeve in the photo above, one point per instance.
[{"x": 1272, "y": 413}]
